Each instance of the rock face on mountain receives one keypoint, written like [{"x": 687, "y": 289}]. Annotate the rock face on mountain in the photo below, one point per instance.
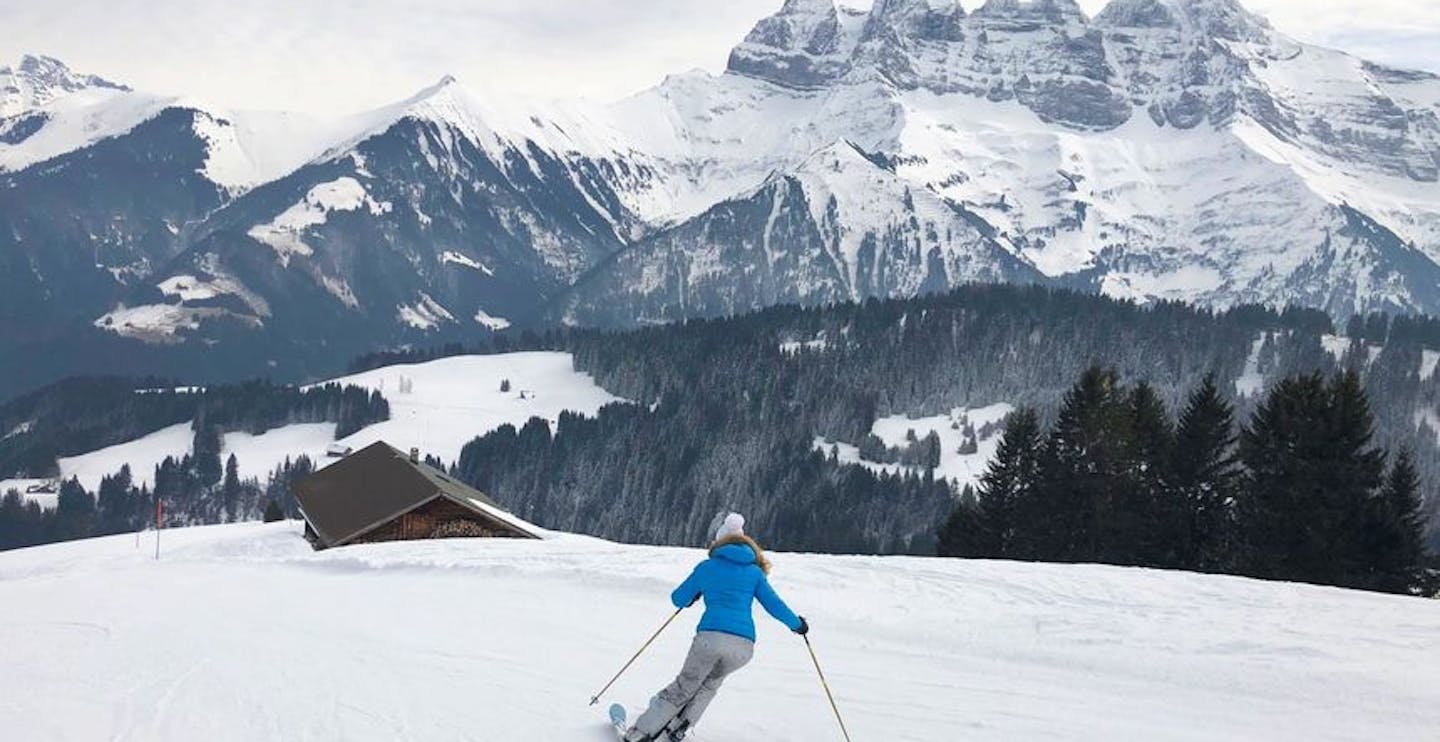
[
  {"x": 1164, "y": 149},
  {"x": 426, "y": 225},
  {"x": 794, "y": 240},
  {"x": 36, "y": 81}
]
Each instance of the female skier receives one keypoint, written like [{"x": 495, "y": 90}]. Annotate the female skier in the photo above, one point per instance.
[{"x": 729, "y": 580}]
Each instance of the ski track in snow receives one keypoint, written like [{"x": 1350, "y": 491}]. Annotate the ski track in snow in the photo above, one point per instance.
[{"x": 242, "y": 633}]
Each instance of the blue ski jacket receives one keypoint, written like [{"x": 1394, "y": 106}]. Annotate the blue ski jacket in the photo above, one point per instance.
[{"x": 729, "y": 581}]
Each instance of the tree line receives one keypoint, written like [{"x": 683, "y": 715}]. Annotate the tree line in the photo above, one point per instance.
[
  {"x": 200, "y": 487},
  {"x": 86, "y": 414},
  {"x": 123, "y": 505},
  {"x": 745, "y": 398},
  {"x": 1301, "y": 492},
  {"x": 725, "y": 413}
]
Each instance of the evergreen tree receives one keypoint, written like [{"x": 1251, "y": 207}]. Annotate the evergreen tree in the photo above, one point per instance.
[
  {"x": 931, "y": 447},
  {"x": 273, "y": 512},
  {"x": 1008, "y": 482},
  {"x": 1356, "y": 473},
  {"x": 1144, "y": 520},
  {"x": 962, "y": 534},
  {"x": 1311, "y": 474},
  {"x": 1206, "y": 480},
  {"x": 1397, "y": 531},
  {"x": 207, "y": 455},
  {"x": 74, "y": 513},
  {"x": 1276, "y": 449},
  {"x": 15, "y": 531},
  {"x": 1072, "y": 512},
  {"x": 230, "y": 491},
  {"x": 874, "y": 449},
  {"x": 116, "y": 503}
]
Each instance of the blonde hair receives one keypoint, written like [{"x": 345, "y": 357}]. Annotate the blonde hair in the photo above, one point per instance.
[{"x": 741, "y": 538}]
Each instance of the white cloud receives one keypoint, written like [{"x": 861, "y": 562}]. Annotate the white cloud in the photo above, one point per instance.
[{"x": 328, "y": 55}]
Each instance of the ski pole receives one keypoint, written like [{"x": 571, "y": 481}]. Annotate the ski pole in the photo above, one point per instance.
[
  {"x": 826, "y": 685},
  {"x": 596, "y": 698}
]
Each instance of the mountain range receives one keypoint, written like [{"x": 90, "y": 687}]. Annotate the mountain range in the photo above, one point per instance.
[{"x": 1162, "y": 149}]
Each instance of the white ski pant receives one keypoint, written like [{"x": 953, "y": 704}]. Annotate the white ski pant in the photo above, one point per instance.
[{"x": 713, "y": 655}]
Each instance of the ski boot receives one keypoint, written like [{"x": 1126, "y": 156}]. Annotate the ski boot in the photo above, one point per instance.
[{"x": 673, "y": 732}]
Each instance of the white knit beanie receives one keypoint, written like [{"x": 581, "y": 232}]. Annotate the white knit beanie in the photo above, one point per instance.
[{"x": 734, "y": 525}]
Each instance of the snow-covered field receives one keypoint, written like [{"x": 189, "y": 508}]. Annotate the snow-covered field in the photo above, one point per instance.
[
  {"x": 142, "y": 454},
  {"x": 447, "y": 403},
  {"x": 242, "y": 633},
  {"x": 981, "y": 428},
  {"x": 452, "y": 400}
]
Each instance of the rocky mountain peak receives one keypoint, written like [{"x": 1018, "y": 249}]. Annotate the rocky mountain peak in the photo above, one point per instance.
[
  {"x": 1052, "y": 11},
  {"x": 38, "y": 80},
  {"x": 799, "y": 46},
  {"x": 1224, "y": 19},
  {"x": 915, "y": 19},
  {"x": 1138, "y": 14}
]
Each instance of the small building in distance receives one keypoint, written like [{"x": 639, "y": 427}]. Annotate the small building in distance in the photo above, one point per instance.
[{"x": 381, "y": 494}]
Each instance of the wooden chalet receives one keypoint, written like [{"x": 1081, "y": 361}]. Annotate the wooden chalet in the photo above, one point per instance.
[{"x": 381, "y": 494}]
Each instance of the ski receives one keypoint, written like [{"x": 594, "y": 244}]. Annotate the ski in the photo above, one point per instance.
[{"x": 619, "y": 722}]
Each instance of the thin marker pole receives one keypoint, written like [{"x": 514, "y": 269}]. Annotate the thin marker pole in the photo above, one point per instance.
[{"x": 158, "y": 513}]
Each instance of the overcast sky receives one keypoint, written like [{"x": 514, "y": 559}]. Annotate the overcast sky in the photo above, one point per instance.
[{"x": 345, "y": 55}]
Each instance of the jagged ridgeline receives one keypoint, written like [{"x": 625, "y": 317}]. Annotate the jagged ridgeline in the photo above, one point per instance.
[
  {"x": 1159, "y": 149},
  {"x": 729, "y": 411}
]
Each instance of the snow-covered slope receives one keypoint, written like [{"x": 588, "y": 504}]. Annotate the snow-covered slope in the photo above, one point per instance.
[
  {"x": 1163, "y": 149},
  {"x": 243, "y": 633},
  {"x": 443, "y": 404},
  {"x": 437, "y": 406},
  {"x": 37, "y": 80},
  {"x": 48, "y": 110},
  {"x": 969, "y": 439},
  {"x": 1177, "y": 149}
]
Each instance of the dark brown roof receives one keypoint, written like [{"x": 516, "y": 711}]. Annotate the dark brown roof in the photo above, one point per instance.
[{"x": 376, "y": 485}]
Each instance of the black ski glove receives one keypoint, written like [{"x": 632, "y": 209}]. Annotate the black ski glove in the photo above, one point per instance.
[{"x": 804, "y": 627}]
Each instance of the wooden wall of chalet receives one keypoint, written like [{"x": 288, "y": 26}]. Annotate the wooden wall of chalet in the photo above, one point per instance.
[{"x": 422, "y": 522}]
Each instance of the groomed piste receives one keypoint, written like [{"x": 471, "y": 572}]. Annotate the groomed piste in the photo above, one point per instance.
[{"x": 242, "y": 632}]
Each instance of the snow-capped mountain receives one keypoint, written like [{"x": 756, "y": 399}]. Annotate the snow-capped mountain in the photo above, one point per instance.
[
  {"x": 48, "y": 111},
  {"x": 1165, "y": 149},
  {"x": 38, "y": 80},
  {"x": 100, "y": 186},
  {"x": 437, "y": 217},
  {"x": 794, "y": 240},
  {"x": 1176, "y": 149}
]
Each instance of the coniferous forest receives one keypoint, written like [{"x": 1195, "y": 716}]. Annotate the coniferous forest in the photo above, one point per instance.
[
  {"x": 728, "y": 413},
  {"x": 1299, "y": 493},
  {"x": 729, "y": 410},
  {"x": 200, "y": 487}
]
